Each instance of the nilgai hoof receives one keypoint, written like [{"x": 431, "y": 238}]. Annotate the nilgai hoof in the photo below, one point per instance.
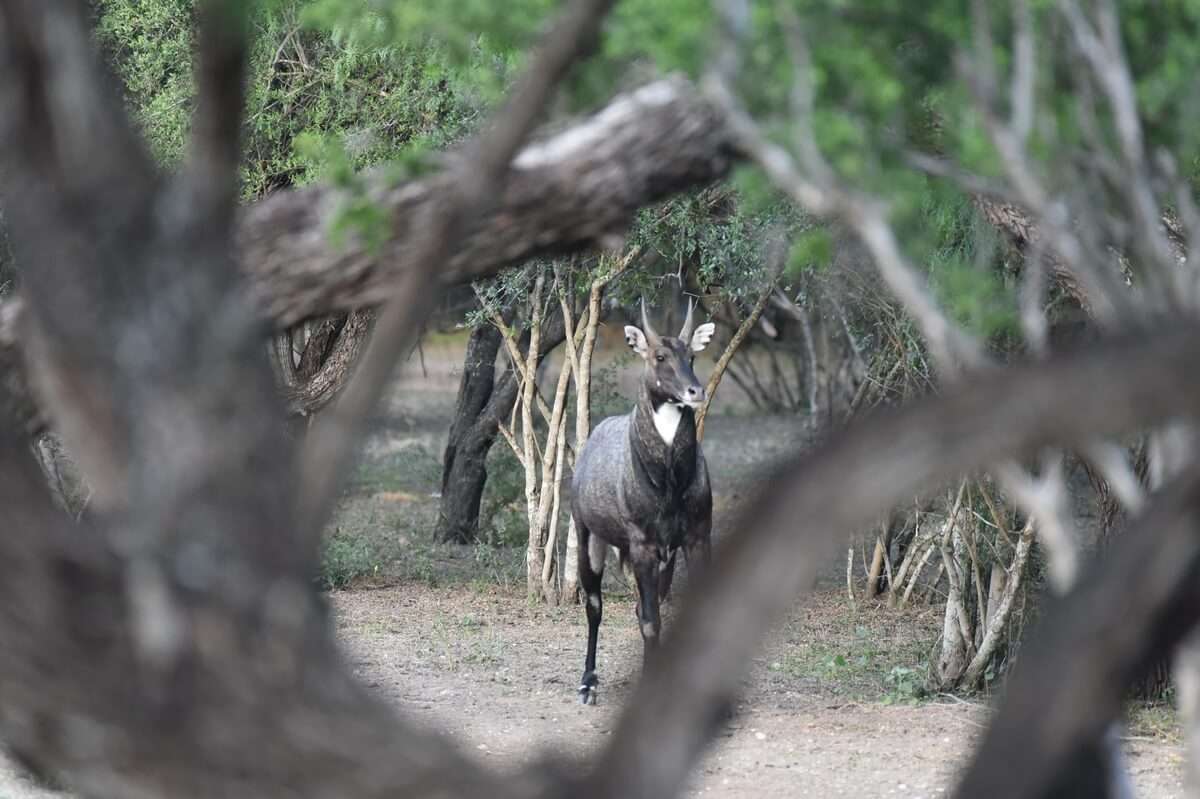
[{"x": 587, "y": 694}]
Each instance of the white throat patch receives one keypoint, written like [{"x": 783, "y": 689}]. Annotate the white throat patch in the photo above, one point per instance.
[{"x": 666, "y": 420}]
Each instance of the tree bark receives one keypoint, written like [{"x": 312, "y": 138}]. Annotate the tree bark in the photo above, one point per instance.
[
  {"x": 319, "y": 346},
  {"x": 464, "y": 464},
  {"x": 1004, "y": 592},
  {"x": 328, "y": 361},
  {"x": 477, "y": 417}
]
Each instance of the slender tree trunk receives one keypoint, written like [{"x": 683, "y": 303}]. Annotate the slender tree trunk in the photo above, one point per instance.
[
  {"x": 533, "y": 551},
  {"x": 956, "y": 635},
  {"x": 544, "y": 524},
  {"x": 464, "y": 480},
  {"x": 581, "y": 344},
  {"x": 1004, "y": 591},
  {"x": 875, "y": 572}
]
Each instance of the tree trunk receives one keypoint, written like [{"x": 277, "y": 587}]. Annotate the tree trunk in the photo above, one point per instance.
[
  {"x": 954, "y": 655},
  {"x": 875, "y": 572},
  {"x": 579, "y": 351},
  {"x": 957, "y": 637},
  {"x": 464, "y": 464},
  {"x": 328, "y": 360},
  {"x": 1153, "y": 685},
  {"x": 533, "y": 549},
  {"x": 463, "y": 480},
  {"x": 1005, "y": 585},
  {"x": 483, "y": 402}
]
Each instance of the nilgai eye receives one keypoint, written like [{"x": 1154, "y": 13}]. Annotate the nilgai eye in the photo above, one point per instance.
[{"x": 660, "y": 357}]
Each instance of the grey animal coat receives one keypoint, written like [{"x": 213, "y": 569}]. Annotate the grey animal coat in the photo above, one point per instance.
[{"x": 636, "y": 492}]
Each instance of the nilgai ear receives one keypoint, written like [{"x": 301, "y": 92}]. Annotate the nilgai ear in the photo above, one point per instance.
[
  {"x": 636, "y": 340},
  {"x": 702, "y": 336}
]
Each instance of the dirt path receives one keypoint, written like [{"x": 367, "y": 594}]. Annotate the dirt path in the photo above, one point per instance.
[{"x": 498, "y": 677}]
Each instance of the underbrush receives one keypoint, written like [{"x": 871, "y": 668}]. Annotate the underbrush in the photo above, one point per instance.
[{"x": 864, "y": 653}]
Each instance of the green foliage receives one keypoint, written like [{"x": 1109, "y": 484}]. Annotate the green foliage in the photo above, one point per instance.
[
  {"x": 713, "y": 236},
  {"x": 607, "y": 397},
  {"x": 886, "y": 77},
  {"x": 857, "y": 660},
  {"x": 319, "y": 102},
  {"x": 149, "y": 42},
  {"x": 413, "y": 469},
  {"x": 481, "y": 44},
  {"x": 502, "y": 513},
  {"x": 511, "y": 288},
  {"x": 905, "y": 685},
  {"x": 346, "y": 559},
  {"x": 811, "y": 250},
  {"x": 336, "y": 86},
  {"x": 960, "y": 253}
]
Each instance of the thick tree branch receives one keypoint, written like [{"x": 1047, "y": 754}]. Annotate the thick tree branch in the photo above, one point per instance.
[
  {"x": 577, "y": 190},
  {"x": 204, "y": 694},
  {"x": 319, "y": 384},
  {"x": 58, "y": 111}
]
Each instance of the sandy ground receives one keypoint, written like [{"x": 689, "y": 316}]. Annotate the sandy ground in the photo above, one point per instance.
[{"x": 498, "y": 677}]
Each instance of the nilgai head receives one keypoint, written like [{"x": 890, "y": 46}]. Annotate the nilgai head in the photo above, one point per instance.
[{"x": 669, "y": 376}]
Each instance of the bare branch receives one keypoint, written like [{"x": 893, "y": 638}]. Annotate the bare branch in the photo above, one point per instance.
[
  {"x": 577, "y": 190},
  {"x": 515, "y": 357},
  {"x": 976, "y": 185},
  {"x": 1104, "y": 53},
  {"x": 1107, "y": 296},
  {"x": 1045, "y": 499},
  {"x": 1070, "y": 682},
  {"x": 1031, "y": 298},
  {"x": 864, "y": 215}
]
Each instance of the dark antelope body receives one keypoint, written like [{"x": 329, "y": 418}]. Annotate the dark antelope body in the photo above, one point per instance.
[{"x": 641, "y": 484}]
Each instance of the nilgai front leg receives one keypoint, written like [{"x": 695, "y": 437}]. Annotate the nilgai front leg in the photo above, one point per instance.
[{"x": 646, "y": 571}]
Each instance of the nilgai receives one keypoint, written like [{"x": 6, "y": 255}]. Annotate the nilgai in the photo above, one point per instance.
[{"x": 641, "y": 485}]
